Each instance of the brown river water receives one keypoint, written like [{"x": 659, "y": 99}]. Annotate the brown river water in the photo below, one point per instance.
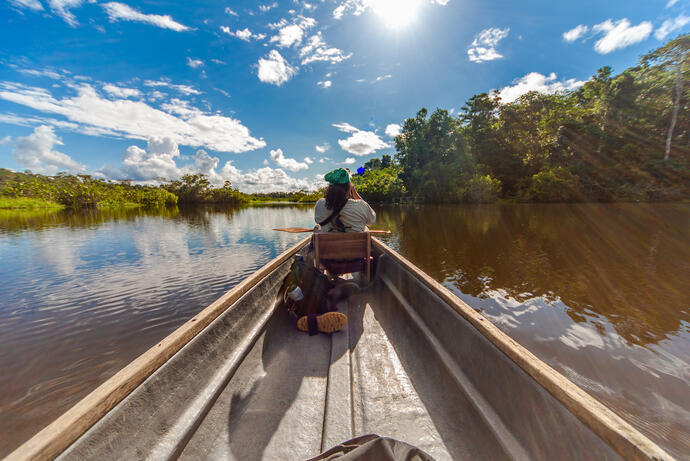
[{"x": 597, "y": 291}]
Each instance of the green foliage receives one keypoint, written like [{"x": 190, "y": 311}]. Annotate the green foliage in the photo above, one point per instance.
[
  {"x": 481, "y": 189},
  {"x": 554, "y": 185},
  {"x": 380, "y": 184},
  {"x": 612, "y": 139},
  {"x": 81, "y": 191}
]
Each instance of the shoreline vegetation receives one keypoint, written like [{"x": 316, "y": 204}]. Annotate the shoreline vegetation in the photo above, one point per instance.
[{"x": 622, "y": 138}]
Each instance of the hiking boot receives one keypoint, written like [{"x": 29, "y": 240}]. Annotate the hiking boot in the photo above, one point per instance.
[{"x": 324, "y": 323}]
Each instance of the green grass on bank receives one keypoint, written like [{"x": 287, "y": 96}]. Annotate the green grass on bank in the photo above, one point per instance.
[{"x": 26, "y": 203}]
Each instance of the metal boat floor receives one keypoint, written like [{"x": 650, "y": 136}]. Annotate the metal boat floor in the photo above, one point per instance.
[{"x": 294, "y": 395}]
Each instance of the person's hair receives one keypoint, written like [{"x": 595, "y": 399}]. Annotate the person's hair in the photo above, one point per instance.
[{"x": 336, "y": 195}]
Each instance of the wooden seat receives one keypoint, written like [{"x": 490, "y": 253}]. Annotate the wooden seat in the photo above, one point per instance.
[{"x": 343, "y": 252}]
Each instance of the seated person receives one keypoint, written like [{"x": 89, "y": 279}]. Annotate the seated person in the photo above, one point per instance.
[{"x": 342, "y": 209}]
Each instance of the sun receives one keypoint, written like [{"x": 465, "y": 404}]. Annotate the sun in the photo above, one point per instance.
[{"x": 395, "y": 13}]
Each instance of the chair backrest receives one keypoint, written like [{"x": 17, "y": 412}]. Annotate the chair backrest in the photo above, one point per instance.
[{"x": 343, "y": 246}]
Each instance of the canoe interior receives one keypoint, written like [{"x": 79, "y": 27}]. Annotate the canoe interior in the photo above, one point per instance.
[{"x": 250, "y": 386}]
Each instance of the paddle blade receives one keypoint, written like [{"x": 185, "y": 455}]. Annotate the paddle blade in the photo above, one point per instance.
[{"x": 294, "y": 230}]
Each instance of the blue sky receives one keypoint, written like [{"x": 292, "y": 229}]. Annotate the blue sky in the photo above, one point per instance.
[{"x": 273, "y": 95}]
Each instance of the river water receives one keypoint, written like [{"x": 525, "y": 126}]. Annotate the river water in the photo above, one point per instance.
[{"x": 597, "y": 291}]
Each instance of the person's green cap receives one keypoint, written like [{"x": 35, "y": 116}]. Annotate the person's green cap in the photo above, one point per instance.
[{"x": 339, "y": 176}]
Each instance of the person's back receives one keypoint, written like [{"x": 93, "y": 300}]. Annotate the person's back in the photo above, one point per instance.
[
  {"x": 355, "y": 216},
  {"x": 342, "y": 209}
]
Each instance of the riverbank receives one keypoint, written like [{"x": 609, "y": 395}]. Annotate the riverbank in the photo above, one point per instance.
[{"x": 26, "y": 203}]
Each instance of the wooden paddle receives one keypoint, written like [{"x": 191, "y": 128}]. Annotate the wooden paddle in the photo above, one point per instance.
[{"x": 298, "y": 230}]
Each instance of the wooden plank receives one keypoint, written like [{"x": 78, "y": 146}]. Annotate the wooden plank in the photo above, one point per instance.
[
  {"x": 58, "y": 435},
  {"x": 620, "y": 435}
]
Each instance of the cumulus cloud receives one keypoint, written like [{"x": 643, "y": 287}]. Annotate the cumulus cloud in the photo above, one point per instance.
[
  {"x": 360, "y": 142},
  {"x": 30, "y": 4},
  {"x": 308, "y": 160},
  {"x": 35, "y": 152},
  {"x": 157, "y": 161},
  {"x": 392, "y": 130},
  {"x": 291, "y": 33},
  {"x": 288, "y": 36},
  {"x": 671, "y": 25},
  {"x": 89, "y": 112},
  {"x": 194, "y": 63},
  {"x": 62, "y": 8},
  {"x": 483, "y": 46},
  {"x": 325, "y": 84},
  {"x": 274, "y": 69},
  {"x": 534, "y": 81},
  {"x": 121, "y": 92},
  {"x": 288, "y": 163},
  {"x": 243, "y": 34},
  {"x": 575, "y": 33},
  {"x": 230, "y": 12},
  {"x": 383, "y": 77},
  {"x": 322, "y": 148},
  {"x": 349, "y": 161},
  {"x": 117, "y": 11},
  {"x": 316, "y": 50},
  {"x": 619, "y": 34}
]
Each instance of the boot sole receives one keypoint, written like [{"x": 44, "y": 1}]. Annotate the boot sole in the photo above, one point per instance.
[{"x": 326, "y": 323}]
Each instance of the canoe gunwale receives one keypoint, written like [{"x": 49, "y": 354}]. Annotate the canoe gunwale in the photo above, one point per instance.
[
  {"x": 62, "y": 432},
  {"x": 620, "y": 435}
]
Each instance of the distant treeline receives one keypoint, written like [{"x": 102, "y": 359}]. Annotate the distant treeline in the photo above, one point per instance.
[
  {"x": 28, "y": 190},
  {"x": 616, "y": 138}
]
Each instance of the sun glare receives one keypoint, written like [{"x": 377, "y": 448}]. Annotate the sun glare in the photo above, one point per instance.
[{"x": 396, "y": 13}]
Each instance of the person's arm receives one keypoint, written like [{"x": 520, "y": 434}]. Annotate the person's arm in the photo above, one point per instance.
[{"x": 370, "y": 214}]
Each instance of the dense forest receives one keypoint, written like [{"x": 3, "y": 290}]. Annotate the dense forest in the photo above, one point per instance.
[{"x": 617, "y": 138}]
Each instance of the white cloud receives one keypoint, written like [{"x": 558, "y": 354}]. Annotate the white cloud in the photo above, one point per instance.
[
  {"x": 62, "y": 8},
  {"x": 35, "y": 152},
  {"x": 383, "y": 77},
  {"x": 671, "y": 3},
  {"x": 287, "y": 163},
  {"x": 243, "y": 34},
  {"x": 393, "y": 129},
  {"x": 41, "y": 73},
  {"x": 483, "y": 47},
  {"x": 322, "y": 148},
  {"x": 6, "y": 141},
  {"x": 265, "y": 179},
  {"x": 349, "y": 161},
  {"x": 194, "y": 63},
  {"x": 534, "y": 81},
  {"x": 265, "y": 8},
  {"x": 117, "y": 11},
  {"x": 325, "y": 84},
  {"x": 324, "y": 159},
  {"x": 671, "y": 25},
  {"x": 274, "y": 69},
  {"x": 230, "y": 12},
  {"x": 357, "y": 7},
  {"x": 360, "y": 142},
  {"x": 121, "y": 92},
  {"x": 30, "y": 4},
  {"x": 91, "y": 113},
  {"x": 288, "y": 36},
  {"x": 184, "y": 89},
  {"x": 316, "y": 50},
  {"x": 620, "y": 34},
  {"x": 346, "y": 127},
  {"x": 575, "y": 33},
  {"x": 157, "y": 161},
  {"x": 308, "y": 160}
]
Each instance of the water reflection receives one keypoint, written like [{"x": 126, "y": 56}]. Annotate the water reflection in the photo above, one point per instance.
[
  {"x": 85, "y": 293},
  {"x": 597, "y": 291}
]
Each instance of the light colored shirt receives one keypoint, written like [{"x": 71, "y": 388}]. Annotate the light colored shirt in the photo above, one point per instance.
[{"x": 356, "y": 215}]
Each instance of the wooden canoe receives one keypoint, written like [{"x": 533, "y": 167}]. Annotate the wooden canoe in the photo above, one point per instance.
[{"x": 415, "y": 363}]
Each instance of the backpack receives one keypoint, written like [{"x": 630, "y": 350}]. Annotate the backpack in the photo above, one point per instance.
[{"x": 314, "y": 285}]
